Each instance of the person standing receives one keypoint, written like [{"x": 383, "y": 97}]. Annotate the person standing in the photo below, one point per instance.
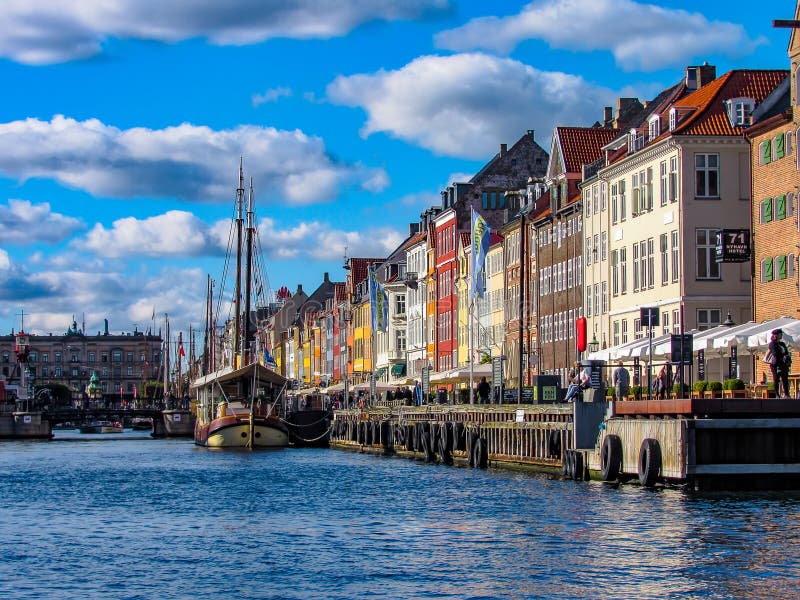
[
  {"x": 622, "y": 381},
  {"x": 483, "y": 391},
  {"x": 780, "y": 363}
]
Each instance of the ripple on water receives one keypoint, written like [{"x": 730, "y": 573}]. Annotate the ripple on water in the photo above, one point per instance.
[{"x": 139, "y": 518}]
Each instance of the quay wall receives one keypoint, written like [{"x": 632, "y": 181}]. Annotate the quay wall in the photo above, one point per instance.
[{"x": 22, "y": 425}]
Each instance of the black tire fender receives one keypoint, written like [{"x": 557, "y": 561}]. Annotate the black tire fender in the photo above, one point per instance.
[
  {"x": 611, "y": 458},
  {"x": 649, "y": 462}
]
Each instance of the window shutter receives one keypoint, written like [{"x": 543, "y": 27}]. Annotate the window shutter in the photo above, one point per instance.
[
  {"x": 780, "y": 150},
  {"x": 766, "y": 152},
  {"x": 790, "y": 266},
  {"x": 780, "y": 267},
  {"x": 789, "y": 143},
  {"x": 780, "y": 207},
  {"x": 766, "y": 269},
  {"x": 789, "y": 204},
  {"x": 766, "y": 210}
]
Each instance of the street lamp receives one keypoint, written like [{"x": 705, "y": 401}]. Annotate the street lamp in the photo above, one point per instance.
[{"x": 594, "y": 345}]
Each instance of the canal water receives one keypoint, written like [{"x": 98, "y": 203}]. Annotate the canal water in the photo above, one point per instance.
[{"x": 132, "y": 517}]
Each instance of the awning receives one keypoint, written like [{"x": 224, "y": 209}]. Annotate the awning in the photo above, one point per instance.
[
  {"x": 379, "y": 373},
  {"x": 398, "y": 370},
  {"x": 262, "y": 374},
  {"x": 462, "y": 374}
]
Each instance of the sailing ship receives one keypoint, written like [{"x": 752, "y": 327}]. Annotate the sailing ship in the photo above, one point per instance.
[
  {"x": 177, "y": 418},
  {"x": 239, "y": 400}
]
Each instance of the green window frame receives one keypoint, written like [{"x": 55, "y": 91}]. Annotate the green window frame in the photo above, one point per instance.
[
  {"x": 780, "y": 207},
  {"x": 766, "y": 210}
]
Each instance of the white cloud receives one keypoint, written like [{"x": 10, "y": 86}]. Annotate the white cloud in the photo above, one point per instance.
[
  {"x": 467, "y": 104},
  {"x": 187, "y": 162},
  {"x": 53, "y": 31},
  {"x": 5, "y": 262},
  {"x": 272, "y": 95},
  {"x": 22, "y": 222},
  {"x": 641, "y": 36},
  {"x": 175, "y": 233}
]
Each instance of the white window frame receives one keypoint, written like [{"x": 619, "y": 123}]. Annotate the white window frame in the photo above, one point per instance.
[
  {"x": 708, "y": 251},
  {"x": 707, "y": 189}
]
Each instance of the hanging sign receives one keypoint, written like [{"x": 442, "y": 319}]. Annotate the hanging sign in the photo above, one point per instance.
[{"x": 733, "y": 245}]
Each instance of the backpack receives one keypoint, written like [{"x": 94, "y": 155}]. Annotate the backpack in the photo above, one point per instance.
[{"x": 770, "y": 358}]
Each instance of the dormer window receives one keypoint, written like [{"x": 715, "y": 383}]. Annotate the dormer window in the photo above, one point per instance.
[
  {"x": 635, "y": 141},
  {"x": 739, "y": 111},
  {"x": 673, "y": 119},
  {"x": 653, "y": 128}
]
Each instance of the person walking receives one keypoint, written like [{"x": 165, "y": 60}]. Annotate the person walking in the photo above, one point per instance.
[
  {"x": 622, "y": 381},
  {"x": 780, "y": 363}
]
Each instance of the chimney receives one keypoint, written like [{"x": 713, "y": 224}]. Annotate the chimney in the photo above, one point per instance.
[
  {"x": 531, "y": 133},
  {"x": 413, "y": 228},
  {"x": 698, "y": 76},
  {"x": 608, "y": 116},
  {"x": 325, "y": 278},
  {"x": 503, "y": 149},
  {"x": 299, "y": 289},
  {"x": 105, "y": 326}
]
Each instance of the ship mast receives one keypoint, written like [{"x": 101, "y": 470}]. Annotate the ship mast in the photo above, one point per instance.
[
  {"x": 237, "y": 303},
  {"x": 248, "y": 278},
  {"x": 165, "y": 357}
]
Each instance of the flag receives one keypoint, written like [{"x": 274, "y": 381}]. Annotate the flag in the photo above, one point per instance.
[
  {"x": 268, "y": 360},
  {"x": 379, "y": 302},
  {"x": 135, "y": 394},
  {"x": 480, "y": 246},
  {"x": 180, "y": 348}
]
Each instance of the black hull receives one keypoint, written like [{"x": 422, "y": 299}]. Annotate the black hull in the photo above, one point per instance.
[{"x": 309, "y": 428}]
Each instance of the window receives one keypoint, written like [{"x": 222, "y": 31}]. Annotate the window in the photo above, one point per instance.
[
  {"x": 766, "y": 270},
  {"x": 780, "y": 207},
  {"x": 665, "y": 322},
  {"x": 739, "y": 110},
  {"x": 664, "y": 248},
  {"x": 706, "y": 175},
  {"x": 595, "y": 247},
  {"x": 588, "y": 302},
  {"x": 129, "y": 356},
  {"x": 588, "y": 250},
  {"x": 604, "y": 296},
  {"x": 675, "y": 250},
  {"x": 653, "y": 128},
  {"x": 33, "y": 357},
  {"x": 116, "y": 356},
  {"x": 707, "y": 265},
  {"x": 673, "y": 179},
  {"x": 636, "y": 193},
  {"x": 708, "y": 318},
  {"x": 130, "y": 371},
  {"x": 664, "y": 189},
  {"x": 400, "y": 340},
  {"x": 623, "y": 270},
  {"x": 45, "y": 357},
  {"x": 602, "y": 197},
  {"x": 603, "y": 245},
  {"x": 57, "y": 371},
  {"x": 45, "y": 371},
  {"x": 400, "y": 304},
  {"x": 614, "y": 205},
  {"x": 673, "y": 119},
  {"x": 57, "y": 356},
  {"x": 622, "y": 207},
  {"x": 676, "y": 321},
  {"x": 624, "y": 331},
  {"x": 615, "y": 274},
  {"x": 91, "y": 357},
  {"x": 647, "y": 189},
  {"x": 765, "y": 210},
  {"x": 779, "y": 148},
  {"x": 651, "y": 262},
  {"x": 595, "y": 199},
  {"x": 765, "y": 152},
  {"x": 635, "y": 267},
  {"x": 615, "y": 329},
  {"x": 643, "y": 265},
  {"x": 638, "y": 332}
]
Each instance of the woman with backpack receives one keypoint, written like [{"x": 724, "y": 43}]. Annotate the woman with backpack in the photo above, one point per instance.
[{"x": 780, "y": 362}]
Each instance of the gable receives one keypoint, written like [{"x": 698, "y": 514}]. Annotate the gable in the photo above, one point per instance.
[{"x": 555, "y": 166}]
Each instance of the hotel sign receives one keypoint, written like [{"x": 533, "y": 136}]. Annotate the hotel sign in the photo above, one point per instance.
[{"x": 733, "y": 245}]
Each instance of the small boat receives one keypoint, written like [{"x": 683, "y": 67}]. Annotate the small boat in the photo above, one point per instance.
[
  {"x": 141, "y": 424},
  {"x": 64, "y": 425},
  {"x": 101, "y": 427}
]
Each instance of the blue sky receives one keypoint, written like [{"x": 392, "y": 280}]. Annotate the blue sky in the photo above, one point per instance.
[{"x": 122, "y": 123}]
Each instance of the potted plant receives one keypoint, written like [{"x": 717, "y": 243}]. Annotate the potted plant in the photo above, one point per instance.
[
  {"x": 714, "y": 389},
  {"x": 733, "y": 388},
  {"x": 636, "y": 392},
  {"x": 699, "y": 388},
  {"x": 676, "y": 390}
]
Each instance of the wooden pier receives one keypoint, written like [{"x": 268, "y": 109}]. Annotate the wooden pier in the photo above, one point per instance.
[{"x": 713, "y": 443}]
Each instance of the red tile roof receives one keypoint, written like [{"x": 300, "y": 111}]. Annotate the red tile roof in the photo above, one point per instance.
[
  {"x": 582, "y": 145},
  {"x": 711, "y": 117},
  {"x": 360, "y": 266}
]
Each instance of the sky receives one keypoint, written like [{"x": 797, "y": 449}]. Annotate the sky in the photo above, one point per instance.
[{"x": 122, "y": 124}]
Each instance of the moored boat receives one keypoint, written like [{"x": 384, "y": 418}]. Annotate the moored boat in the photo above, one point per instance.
[
  {"x": 101, "y": 427},
  {"x": 225, "y": 419}
]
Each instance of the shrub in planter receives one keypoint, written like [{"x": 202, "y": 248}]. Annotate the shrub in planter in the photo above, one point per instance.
[
  {"x": 714, "y": 386},
  {"x": 676, "y": 389},
  {"x": 636, "y": 390},
  {"x": 699, "y": 386},
  {"x": 733, "y": 384}
]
